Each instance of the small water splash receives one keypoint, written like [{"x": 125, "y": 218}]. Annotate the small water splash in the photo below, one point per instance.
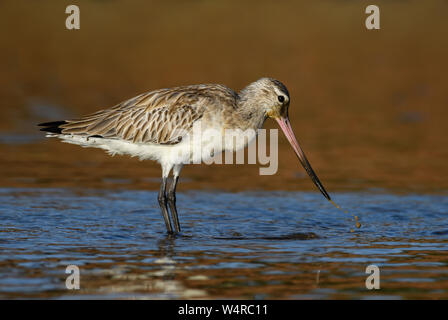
[{"x": 357, "y": 223}]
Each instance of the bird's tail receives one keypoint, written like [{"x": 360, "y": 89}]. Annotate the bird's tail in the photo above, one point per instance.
[{"x": 52, "y": 127}]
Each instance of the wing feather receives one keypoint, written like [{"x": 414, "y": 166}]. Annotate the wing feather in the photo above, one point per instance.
[{"x": 161, "y": 116}]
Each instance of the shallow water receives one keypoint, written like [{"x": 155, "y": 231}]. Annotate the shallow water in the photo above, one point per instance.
[{"x": 233, "y": 245}]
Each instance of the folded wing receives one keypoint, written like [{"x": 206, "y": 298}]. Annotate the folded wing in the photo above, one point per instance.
[{"x": 160, "y": 117}]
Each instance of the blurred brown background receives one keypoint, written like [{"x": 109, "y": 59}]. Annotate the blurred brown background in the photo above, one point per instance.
[{"x": 367, "y": 106}]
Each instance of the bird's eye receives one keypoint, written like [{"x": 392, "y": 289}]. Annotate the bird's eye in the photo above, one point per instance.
[{"x": 281, "y": 98}]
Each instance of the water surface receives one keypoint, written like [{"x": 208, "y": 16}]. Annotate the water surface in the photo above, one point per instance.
[{"x": 292, "y": 245}]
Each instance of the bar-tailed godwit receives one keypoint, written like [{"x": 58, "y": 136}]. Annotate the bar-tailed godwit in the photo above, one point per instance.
[{"x": 158, "y": 125}]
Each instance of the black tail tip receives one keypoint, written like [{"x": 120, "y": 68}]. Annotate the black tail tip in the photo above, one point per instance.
[{"x": 52, "y": 127}]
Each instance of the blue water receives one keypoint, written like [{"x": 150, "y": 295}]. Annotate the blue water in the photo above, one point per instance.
[{"x": 292, "y": 245}]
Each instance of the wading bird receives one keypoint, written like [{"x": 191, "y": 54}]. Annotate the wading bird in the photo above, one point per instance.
[{"x": 157, "y": 125}]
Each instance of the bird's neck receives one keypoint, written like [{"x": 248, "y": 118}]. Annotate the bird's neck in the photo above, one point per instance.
[{"x": 248, "y": 114}]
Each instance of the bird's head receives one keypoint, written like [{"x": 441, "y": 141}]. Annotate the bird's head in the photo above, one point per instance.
[
  {"x": 269, "y": 95},
  {"x": 273, "y": 97}
]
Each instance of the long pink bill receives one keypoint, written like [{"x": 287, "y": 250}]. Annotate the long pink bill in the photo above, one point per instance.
[{"x": 287, "y": 130}]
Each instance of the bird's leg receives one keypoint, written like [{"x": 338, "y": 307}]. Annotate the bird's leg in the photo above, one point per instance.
[
  {"x": 172, "y": 196},
  {"x": 172, "y": 203},
  {"x": 162, "y": 203}
]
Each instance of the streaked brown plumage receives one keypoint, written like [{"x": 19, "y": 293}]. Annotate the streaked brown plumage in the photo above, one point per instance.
[{"x": 153, "y": 117}]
